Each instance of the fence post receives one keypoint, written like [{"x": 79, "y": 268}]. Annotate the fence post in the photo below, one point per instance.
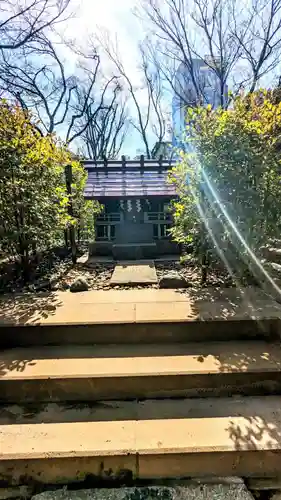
[{"x": 68, "y": 182}]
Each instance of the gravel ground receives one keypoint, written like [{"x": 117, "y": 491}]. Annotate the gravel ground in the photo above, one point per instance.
[
  {"x": 202, "y": 492},
  {"x": 192, "y": 274},
  {"x": 60, "y": 274},
  {"x": 98, "y": 276}
]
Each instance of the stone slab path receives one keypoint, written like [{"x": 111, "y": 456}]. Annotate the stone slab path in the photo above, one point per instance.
[
  {"x": 134, "y": 273},
  {"x": 91, "y": 260},
  {"x": 202, "y": 492}
]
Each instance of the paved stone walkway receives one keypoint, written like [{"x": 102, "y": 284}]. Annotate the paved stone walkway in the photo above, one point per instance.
[
  {"x": 131, "y": 306},
  {"x": 134, "y": 273},
  {"x": 202, "y": 492}
]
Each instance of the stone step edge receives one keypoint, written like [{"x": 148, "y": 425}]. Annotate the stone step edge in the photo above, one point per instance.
[
  {"x": 151, "y": 360},
  {"x": 240, "y": 317},
  {"x": 207, "y": 330},
  {"x": 246, "y": 446},
  {"x": 131, "y": 438}
]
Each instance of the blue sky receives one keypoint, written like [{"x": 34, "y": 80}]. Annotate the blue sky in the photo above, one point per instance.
[{"x": 117, "y": 17}]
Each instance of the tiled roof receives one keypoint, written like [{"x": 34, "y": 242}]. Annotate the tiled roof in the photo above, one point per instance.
[{"x": 129, "y": 180}]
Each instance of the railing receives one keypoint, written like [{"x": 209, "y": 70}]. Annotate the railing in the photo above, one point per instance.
[
  {"x": 111, "y": 218},
  {"x": 157, "y": 217}
]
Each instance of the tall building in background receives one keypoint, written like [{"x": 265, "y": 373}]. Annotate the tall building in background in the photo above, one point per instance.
[{"x": 186, "y": 94}]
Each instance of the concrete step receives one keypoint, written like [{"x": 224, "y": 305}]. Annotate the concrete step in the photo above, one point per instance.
[
  {"x": 148, "y": 440},
  {"x": 207, "y": 329},
  {"x": 138, "y": 316},
  {"x": 84, "y": 373}
]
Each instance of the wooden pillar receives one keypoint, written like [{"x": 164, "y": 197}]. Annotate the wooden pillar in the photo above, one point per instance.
[
  {"x": 123, "y": 176},
  {"x": 204, "y": 251},
  {"x": 68, "y": 182}
]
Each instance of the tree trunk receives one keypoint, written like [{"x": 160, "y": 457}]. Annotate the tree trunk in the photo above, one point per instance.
[
  {"x": 34, "y": 253},
  {"x": 204, "y": 260},
  {"x": 65, "y": 233},
  {"x": 24, "y": 257},
  {"x": 68, "y": 180}
]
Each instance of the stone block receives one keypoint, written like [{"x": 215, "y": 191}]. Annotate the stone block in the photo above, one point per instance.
[
  {"x": 173, "y": 279},
  {"x": 79, "y": 285},
  {"x": 193, "y": 492}
]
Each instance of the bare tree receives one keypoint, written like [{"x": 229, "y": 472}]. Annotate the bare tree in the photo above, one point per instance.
[
  {"x": 62, "y": 102},
  {"x": 106, "y": 128},
  {"x": 84, "y": 93},
  {"x": 44, "y": 88},
  {"x": 194, "y": 37},
  {"x": 259, "y": 37},
  {"x": 22, "y": 20},
  {"x": 171, "y": 27},
  {"x": 153, "y": 83},
  {"x": 213, "y": 20},
  {"x": 237, "y": 43},
  {"x": 146, "y": 97}
]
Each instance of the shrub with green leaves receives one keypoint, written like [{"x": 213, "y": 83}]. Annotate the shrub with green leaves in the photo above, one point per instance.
[
  {"x": 230, "y": 181},
  {"x": 33, "y": 197}
]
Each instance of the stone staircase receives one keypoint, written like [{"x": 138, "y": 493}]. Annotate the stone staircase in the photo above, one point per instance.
[{"x": 139, "y": 401}]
